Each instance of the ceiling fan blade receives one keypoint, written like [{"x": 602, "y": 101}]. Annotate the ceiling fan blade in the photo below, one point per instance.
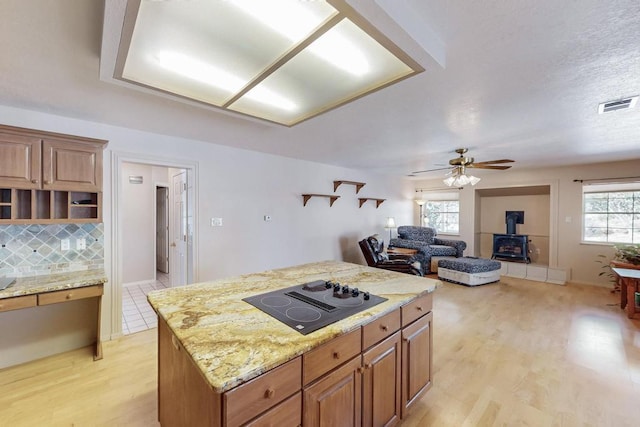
[
  {"x": 481, "y": 166},
  {"x": 433, "y": 170},
  {"x": 494, "y": 161}
]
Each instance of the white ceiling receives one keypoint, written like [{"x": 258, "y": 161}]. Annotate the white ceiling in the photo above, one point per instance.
[{"x": 518, "y": 79}]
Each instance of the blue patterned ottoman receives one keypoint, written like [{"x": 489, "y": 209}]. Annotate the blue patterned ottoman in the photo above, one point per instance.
[{"x": 469, "y": 271}]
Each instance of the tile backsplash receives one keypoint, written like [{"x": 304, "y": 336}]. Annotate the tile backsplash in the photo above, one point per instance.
[{"x": 31, "y": 250}]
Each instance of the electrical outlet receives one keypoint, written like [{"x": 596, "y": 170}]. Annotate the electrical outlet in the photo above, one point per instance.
[
  {"x": 65, "y": 245},
  {"x": 216, "y": 222},
  {"x": 267, "y": 217},
  {"x": 81, "y": 244}
]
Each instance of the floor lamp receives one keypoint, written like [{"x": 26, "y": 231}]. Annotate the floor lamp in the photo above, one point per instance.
[
  {"x": 390, "y": 224},
  {"x": 421, "y": 203}
]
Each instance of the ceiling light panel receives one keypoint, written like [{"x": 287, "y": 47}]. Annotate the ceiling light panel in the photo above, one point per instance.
[
  {"x": 279, "y": 60},
  {"x": 340, "y": 65}
]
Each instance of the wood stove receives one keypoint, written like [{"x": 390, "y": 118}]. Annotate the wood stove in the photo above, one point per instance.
[{"x": 511, "y": 247}]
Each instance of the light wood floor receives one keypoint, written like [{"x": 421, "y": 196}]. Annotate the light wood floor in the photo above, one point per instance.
[{"x": 518, "y": 353}]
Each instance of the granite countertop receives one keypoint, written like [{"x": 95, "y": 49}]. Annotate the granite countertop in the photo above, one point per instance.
[
  {"x": 231, "y": 341},
  {"x": 54, "y": 282}
]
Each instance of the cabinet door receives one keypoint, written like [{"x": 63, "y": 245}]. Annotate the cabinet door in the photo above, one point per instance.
[
  {"x": 20, "y": 165},
  {"x": 334, "y": 400},
  {"x": 417, "y": 341},
  {"x": 71, "y": 166},
  {"x": 381, "y": 383},
  {"x": 184, "y": 397}
]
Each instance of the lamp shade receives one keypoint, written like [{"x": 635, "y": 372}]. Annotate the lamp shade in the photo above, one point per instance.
[{"x": 390, "y": 223}]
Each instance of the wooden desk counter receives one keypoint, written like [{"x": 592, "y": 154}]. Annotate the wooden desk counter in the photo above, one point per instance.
[{"x": 56, "y": 288}]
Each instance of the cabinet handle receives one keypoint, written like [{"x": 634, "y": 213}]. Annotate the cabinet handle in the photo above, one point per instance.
[
  {"x": 69, "y": 295},
  {"x": 369, "y": 366},
  {"x": 384, "y": 327},
  {"x": 269, "y": 393},
  {"x": 34, "y": 181},
  {"x": 336, "y": 355},
  {"x": 48, "y": 182},
  {"x": 360, "y": 370},
  {"x": 419, "y": 308}
]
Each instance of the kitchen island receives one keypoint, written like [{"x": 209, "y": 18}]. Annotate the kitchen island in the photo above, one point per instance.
[{"x": 223, "y": 362}]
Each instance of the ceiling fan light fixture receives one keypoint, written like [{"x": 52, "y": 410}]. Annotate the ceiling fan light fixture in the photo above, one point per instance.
[{"x": 449, "y": 181}]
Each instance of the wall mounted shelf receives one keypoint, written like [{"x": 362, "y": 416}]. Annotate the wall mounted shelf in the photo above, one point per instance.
[
  {"x": 332, "y": 198},
  {"x": 364, "y": 199},
  {"x": 358, "y": 185}
]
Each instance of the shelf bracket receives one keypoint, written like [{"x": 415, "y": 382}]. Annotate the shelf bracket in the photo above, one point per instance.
[
  {"x": 332, "y": 198},
  {"x": 358, "y": 185},
  {"x": 364, "y": 199}
]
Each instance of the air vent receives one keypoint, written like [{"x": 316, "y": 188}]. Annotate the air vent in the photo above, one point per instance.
[{"x": 621, "y": 104}]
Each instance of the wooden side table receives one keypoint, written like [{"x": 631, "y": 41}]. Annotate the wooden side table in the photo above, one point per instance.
[
  {"x": 629, "y": 281},
  {"x": 401, "y": 251}
]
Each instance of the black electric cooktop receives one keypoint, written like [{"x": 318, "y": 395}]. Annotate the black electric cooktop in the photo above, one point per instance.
[{"x": 314, "y": 305}]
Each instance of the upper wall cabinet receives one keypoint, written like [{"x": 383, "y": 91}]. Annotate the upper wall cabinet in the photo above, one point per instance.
[
  {"x": 20, "y": 161},
  {"x": 31, "y": 159},
  {"x": 71, "y": 165},
  {"x": 49, "y": 178}
]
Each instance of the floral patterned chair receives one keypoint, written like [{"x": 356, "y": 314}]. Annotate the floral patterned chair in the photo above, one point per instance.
[{"x": 428, "y": 245}]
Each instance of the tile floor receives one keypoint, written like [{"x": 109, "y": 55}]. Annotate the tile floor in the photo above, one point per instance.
[{"x": 137, "y": 314}]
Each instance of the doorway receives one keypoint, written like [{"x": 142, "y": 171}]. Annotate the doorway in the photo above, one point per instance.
[{"x": 144, "y": 256}]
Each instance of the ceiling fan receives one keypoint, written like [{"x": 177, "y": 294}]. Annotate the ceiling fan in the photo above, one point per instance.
[{"x": 463, "y": 162}]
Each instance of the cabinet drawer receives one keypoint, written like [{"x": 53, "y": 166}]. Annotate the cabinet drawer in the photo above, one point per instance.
[
  {"x": 416, "y": 308},
  {"x": 69, "y": 295},
  {"x": 380, "y": 328},
  {"x": 256, "y": 396},
  {"x": 18, "y": 302},
  {"x": 330, "y": 355},
  {"x": 286, "y": 414}
]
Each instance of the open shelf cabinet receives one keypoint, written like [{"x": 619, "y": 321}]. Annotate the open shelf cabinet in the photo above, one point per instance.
[{"x": 19, "y": 206}]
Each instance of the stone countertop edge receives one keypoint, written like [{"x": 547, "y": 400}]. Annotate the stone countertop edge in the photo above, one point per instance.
[
  {"x": 54, "y": 282},
  {"x": 231, "y": 341}
]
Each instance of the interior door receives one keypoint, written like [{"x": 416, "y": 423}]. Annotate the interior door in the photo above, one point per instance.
[
  {"x": 162, "y": 229},
  {"x": 178, "y": 252}
]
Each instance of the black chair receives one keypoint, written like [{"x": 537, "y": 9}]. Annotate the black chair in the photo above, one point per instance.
[{"x": 373, "y": 251}]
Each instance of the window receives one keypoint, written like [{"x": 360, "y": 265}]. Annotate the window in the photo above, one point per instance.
[
  {"x": 611, "y": 216},
  {"x": 443, "y": 215}
]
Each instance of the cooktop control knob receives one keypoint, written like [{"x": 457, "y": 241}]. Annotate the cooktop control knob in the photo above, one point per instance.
[
  {"x": 336, "y": 287},
  {"x": 355, "y": 292},
  {"x": 329, "y": 284},
  {"x": 366, "y": 295},
  {"x": 345, "y": 289}
]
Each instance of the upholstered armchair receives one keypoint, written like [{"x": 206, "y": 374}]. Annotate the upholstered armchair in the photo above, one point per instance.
[
  {"x": 428, "y": 245},
  {"x": 373, "y": 251}
]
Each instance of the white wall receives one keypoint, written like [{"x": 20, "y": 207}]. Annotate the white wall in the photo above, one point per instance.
[
  {"x": 138, "y": 231},
  {"x": 565, "y": 212},
  {"x": 241, "y": 187}
]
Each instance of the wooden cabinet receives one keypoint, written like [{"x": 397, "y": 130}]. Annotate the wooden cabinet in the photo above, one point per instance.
[
  {"x": 417, "y": 341},
  {"x": 381, "y": 383},
  {"x": 49, "y": 178},
  {"x": 260, "y": 394},
  {"x": 16, "y": 303},
  {"x": 286, "y": 414},
  {"x": 20, "y": 161},
  {"x": 370, "y": 376},
  {"x": 73, "y": 166},
  {"x": 184, "y": 396},
  {"x": 335, "y": 399}
]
